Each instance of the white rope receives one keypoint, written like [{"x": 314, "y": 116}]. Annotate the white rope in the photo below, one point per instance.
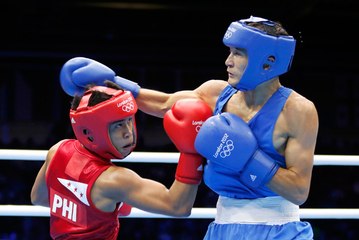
[
  {"x": 163, "y": 157},
  {"x": 197, "y": 213},
  {"x": 167, "y": 157}
]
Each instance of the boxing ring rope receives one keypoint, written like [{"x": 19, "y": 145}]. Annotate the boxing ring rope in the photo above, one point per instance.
[
  {"x": 162, "y": 157},
  {"x": 197, "y": 213}
]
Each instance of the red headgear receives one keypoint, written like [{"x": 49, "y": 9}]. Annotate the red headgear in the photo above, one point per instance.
[{"x": 91, "y": 124}]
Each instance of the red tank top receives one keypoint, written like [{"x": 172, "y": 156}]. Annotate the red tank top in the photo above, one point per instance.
[{"x": 70, "y": 177}]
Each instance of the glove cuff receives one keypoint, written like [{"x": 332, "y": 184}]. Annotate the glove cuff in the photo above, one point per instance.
[
  {"x": 190, "y": 168},
  {"x": 128, "y": 85},
  {"x": 259, "y": 170},
  {"x": 125, "y": 209}
]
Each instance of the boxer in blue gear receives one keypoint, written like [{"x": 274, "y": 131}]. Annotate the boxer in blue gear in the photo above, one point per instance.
[
  {"x": 263, "y": 169},
  {"x": 230, "y": 186}
]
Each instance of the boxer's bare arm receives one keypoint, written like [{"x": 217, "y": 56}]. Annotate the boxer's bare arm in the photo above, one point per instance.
[
  {"x": 293, "y": 182},
  {"x": 118, "y": 184},
  {"x": 39, "y": 192},
  {"x": 157, "y": 103}
]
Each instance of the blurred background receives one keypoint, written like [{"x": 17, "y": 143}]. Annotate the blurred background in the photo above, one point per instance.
[{"x": 170, "y": 46}]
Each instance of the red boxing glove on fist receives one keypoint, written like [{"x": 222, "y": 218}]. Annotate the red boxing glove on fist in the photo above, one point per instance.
[{"x": 182, "y": 123}]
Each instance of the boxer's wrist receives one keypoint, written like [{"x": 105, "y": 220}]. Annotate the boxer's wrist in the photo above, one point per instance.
[
  {"x": 125, "y": 209},
  {"x": 189, "y": 168},
  {"x": 259, "y": 170},
  {"x": 128, "y": 85}
]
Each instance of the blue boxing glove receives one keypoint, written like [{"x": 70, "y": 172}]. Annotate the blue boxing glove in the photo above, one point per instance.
[
  {"x": 78, "y": 72},
  {"x": 228, "y": 142}
]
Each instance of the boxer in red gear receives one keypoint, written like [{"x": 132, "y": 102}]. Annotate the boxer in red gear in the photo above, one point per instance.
[{"x": 87, "y": 193}]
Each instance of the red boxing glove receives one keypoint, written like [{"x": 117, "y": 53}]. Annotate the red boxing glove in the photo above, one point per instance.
[
  {"x": 125, "y": 209},
  {"x": 182, "y": 123}
]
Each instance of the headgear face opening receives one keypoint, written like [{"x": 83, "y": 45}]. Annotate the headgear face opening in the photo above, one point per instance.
[
  {"x": 268, "y": 56},
  {"x": 91, "y": 123}
]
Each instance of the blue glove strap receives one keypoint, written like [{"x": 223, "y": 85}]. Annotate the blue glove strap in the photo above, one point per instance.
[
  {"x": 259, "y": 170},
  {"x": 128, "y": 85}
]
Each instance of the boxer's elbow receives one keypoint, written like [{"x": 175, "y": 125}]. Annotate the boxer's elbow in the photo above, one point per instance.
[
  {"x": 36, "y": 199},
  {"x": 180, "y": 211},
  {"x": 183, "y": 212},
  {"x": 299, "y": 198}
]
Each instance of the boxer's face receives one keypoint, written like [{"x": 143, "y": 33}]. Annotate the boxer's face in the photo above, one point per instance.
[
  {"x": 236, "y": 62},
  {"x": 122, "y": 135}
]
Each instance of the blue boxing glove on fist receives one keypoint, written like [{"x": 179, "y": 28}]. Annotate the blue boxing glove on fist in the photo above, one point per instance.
[
  {"x": 229, "y": 144},
  {"x": 78, "y": 72}
]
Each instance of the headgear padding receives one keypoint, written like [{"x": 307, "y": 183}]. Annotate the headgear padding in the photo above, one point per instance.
[
  {"x": 91, "y": 123},
  {"x": 275, "y": 52}
]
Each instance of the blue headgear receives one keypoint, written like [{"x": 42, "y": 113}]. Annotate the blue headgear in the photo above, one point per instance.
[{"x": 262, "y": 49}]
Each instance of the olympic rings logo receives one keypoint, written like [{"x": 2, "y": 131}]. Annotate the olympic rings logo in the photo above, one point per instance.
[
  {"x": 128, "y": 107},
  {"x": 227, "y": 149},
  {"x": 228, "y": 34}
]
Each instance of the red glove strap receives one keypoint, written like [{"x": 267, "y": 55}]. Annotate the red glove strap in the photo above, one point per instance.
[{"x": 190, "y": 168}]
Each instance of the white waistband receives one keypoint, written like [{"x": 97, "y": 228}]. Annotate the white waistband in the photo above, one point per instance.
[{"x": 269, "y": 211}]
